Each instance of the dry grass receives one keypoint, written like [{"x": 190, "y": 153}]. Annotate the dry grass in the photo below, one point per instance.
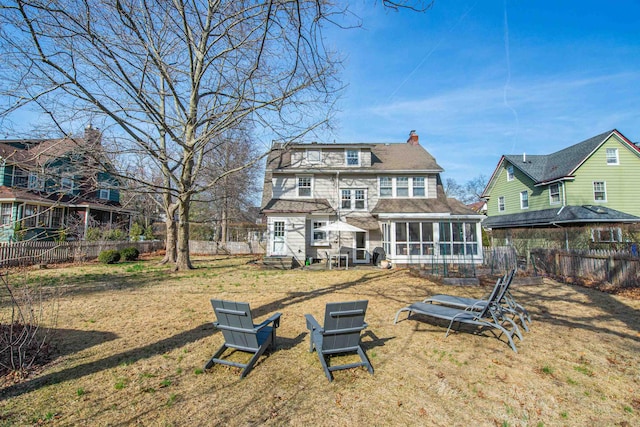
[{"x": 132, "y": 340}]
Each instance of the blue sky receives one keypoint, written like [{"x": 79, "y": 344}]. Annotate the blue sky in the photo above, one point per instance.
[{"x": 478, "y": 79}]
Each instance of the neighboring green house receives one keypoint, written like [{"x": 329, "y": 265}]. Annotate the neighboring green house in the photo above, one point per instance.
[
  {"x": 592, "y": 182},
  {"x": 53, "y": 188}
]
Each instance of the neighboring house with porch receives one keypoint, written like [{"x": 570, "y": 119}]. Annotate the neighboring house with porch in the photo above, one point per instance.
[
  {"x": 391, "y": 191},
  {"x": 55, "y": 187},
  {"x": 593, "y": 182}
]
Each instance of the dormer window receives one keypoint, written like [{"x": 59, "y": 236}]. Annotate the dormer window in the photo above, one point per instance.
[
  {"x": 104, "y": 194},
  {"x": 66, "y": 185},
  {"x": 35, "y": 181},
  {"x": 352, "y": 157},
  {"x": 314, "y": 156}
]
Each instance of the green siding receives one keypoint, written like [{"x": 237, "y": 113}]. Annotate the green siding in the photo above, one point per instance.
[
  {"x": 538, "y": 196},
  {"x": 622, "y": 189}
]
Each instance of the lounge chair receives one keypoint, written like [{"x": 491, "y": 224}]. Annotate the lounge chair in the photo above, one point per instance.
[
  {"x": 239, "y": 332},
  {"x": 491, "y": 316},
  {"x": 504, "y": 298},
  {"x": 343, "y": 322}
]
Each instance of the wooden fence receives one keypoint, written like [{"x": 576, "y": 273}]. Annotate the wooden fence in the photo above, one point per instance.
[
  {"x": 499, "y": 258},
  {"x": 35, "y": 252},
  {"x": 620, "y": 269},
  {"x": 229, "y": 248}
]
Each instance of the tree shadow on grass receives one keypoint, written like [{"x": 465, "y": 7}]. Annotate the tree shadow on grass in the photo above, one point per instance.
[
  {"x": 89, "y": 368},
  {"x": 541, "y": 307}
]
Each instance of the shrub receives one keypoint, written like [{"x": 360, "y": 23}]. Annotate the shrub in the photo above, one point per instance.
[
  {"x": 110, "y": 256},
  {"x": 130, "y": 254}
]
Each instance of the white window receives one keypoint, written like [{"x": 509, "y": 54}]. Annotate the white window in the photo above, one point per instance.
[
  {"x": 313, "y": 156},
  {"x": 524, "y": 200},
  {"x": 599, "y": 191},
  {"x": 30, "y": 216},
  {"x": 66, "y": 185},
  {"x": 319, "y": 237},
  {"x": 56, "y": 218},
  {"x": 554, "y": 194},
  {"x": 458, "y": 238},
  {"x": 6, "y": 213},
  {"x": 353, "y": 158},
  {"x": 353, "y": 199},
  {"x": 104, "y": 194},
  {"x": 35, "y": 181},
  {"x": 501, "y": 204},
  {"x": 606, "y": 235},
  {"x": 402, "y": 186},
  {"x": 612, "y": 156},
  {"x": 386, "y": 186},
  {"x": 304, "y": 186},
  {"x": 346, "y": 199},
  {"x": 509, "y": 173},
  {"x": 418, "y": 186}
]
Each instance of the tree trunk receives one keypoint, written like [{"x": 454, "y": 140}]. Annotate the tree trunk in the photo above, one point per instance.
[
  {"x": 170, "y": 243},
  {"x": 183, "y": 261}
]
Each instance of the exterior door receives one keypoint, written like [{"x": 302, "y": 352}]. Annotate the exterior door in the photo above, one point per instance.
[
  {"x": 362, "y": 247},
  {"x": 279, "y": 247}
]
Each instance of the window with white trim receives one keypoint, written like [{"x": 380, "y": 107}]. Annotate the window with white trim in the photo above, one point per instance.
[
  {"x": 524, "y": 200},
  {"x": 612, "y": 156},
  {"x": 402, "y": 186},
  {"x": 418, "y": 189},
  {"x": 606, "y": 235},
  {"x": 56, "y": 218},
  {"x": 319, "y": 236},
  {"x": 510, "y": 175},
  {"x": 414, "y": 238},
  {"x": 554, "y": 194},
  {"x": 304, "y": 186},
  {"x": 501, "y": 204},
  {"x": 353, "y": 199},
  {"x": 458, "y": 238},
  {"x": 104, "y": 193},
  {"x": 6, "y": 213},
  {"x": 352, "y": 157},
  {"x": 66, "y": 185},
  {"x": 386, "y": 186},
  {"x": 600, "y": 191},
  {"x": 36, "y": 182},
  {"x": 30, "y": 216},
  {"x": 313, "y": 156}
]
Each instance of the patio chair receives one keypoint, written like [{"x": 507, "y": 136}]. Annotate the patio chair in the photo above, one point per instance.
[
  {"x": 491, "y": 316},
  {"x": 504, "y": 298},
  {"x": 343, "y": 322},
  {"x": 239, "y": 332}
]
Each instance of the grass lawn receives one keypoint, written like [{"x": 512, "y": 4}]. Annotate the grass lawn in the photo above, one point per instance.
[{"x": 131, "y": 340}]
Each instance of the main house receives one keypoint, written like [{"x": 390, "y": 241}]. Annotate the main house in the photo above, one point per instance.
[
  {"x": 392, "y": 193},
  {"x": 592, "y": 182},
  {"x": 50, "y": 188}
]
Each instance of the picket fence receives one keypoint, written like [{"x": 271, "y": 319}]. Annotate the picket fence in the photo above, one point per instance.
[
  {"x": 620, "y": 269},
  {"x": 37, "y": 252}
]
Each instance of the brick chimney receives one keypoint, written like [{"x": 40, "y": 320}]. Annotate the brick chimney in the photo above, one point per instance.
[
  {"x": 92, "y": 135},
  {"x": 413, "y": 138}
]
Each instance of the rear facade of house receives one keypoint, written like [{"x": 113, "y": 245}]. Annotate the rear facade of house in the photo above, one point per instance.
[{"x": 390, "y": 191}]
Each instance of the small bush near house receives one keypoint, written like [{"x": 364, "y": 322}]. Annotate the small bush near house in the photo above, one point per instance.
[
  {"x": 130, "y": 254},
  {"x": 110, "y": 256}
]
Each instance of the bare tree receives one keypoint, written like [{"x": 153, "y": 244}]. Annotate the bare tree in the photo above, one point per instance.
[
  {"x": 467, "y": 193},
  {"x": 168, "y": 78}
]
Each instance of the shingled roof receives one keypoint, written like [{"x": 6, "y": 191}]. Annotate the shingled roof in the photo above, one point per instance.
[
  {"x": 550, "y": 167},
  {"x": 567, "y": 215}
]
